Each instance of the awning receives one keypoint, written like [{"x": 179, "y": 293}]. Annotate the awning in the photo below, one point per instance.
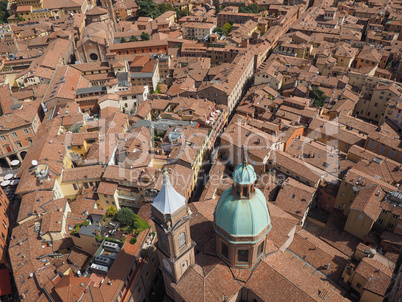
[
  {"x": 5, "y": 183},
  {"x": 15, "y": 182},
  {"x": 15, "y": 162},
  {"x": 8, "y": 176}
]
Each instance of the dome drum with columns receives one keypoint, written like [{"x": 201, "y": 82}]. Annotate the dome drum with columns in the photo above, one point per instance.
[{"x": 241, "y": 220}]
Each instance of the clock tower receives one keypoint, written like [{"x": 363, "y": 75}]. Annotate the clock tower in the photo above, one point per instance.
[{"x": 172, "y": 222}]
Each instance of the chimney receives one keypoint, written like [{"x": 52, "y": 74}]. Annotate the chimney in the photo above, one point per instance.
[{"x": 244, "y": 43}]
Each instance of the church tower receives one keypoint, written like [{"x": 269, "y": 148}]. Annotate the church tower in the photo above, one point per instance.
[
  {"x": 172, "y": 222},
  {"x": 108, "y": 4}
]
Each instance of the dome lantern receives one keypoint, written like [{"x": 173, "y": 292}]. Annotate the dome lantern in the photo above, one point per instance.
[{"x": 244, "y": 177}]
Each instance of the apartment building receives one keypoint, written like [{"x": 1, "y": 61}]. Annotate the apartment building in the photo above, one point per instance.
[
  {"x": 385, "y": 141},
  {"x": 332, "y": 135},
  {"x": 28, "y": 13},
  {"x": 63, "y": 87},
  {"x": 228, "y": 87},
  {"x": 73, "y": 6},
  {"x": 368, "y": 56},
  {"x": 20, "y": 124},
  {"x": 232, "y": 13},
  {"x": 140, "y": 47},
  {"x": 365, "y": 270},
  {"x": 35, "y": 3},
  {"x": 393, "y": 112},
  {"x": 258, "y": 145},
  {"x": 197, "y": 31},
  {"x": 5, "y": 223},
  {"x": 144, "y": 71},
  {"x": 374, "y": 109}
]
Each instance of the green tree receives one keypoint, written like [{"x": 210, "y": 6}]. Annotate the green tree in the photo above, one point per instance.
[
  {"x": 182, "y": 13},
  {"x": 111, "y": 211},
  {"x": 231, "y": 22},
  {"x": 122, "y": 40},
  {"x": 133, "y": 39},
  {"x": 227, "y": 28},
  {"x": 318, "y": 96},
  {"x": 3, "y": 12},
  {"x": 125, "y": 216},
  {"x": 218, "y": 30},
  {"x": 145, "y": 36},
  {"x": 250, "y": 9},
  {"x": 148, "y": 8},
  {"x": 219, "y": 9},
  {"x": 164, "y": 7},
  {"x": 20, "y": 18}
]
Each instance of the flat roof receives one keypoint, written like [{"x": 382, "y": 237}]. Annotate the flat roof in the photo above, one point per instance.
[
  {"x": 164, "y": 125},
  {"x": 92, "y": 89}
]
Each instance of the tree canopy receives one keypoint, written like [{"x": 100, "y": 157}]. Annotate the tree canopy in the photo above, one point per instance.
[
  {"x": 133, "y": 39},
  {"x": 227, "y": 28},
  {"x": 145, "y": 36},
  {"x": 3, "y": 12},
  {"x": 111, "y": 211},
  {"x": 250, "y": 9},
  {"x": 148, "y": 8},
  {"x": 125, "y": 216},
  {"x": 318, "y": 95}
]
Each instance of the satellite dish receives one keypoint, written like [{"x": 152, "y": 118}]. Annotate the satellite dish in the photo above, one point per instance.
[{"x": 34, "y": 163}]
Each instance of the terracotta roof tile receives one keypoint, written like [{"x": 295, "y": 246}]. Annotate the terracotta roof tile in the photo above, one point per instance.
[{"x": 318, "y": 254}]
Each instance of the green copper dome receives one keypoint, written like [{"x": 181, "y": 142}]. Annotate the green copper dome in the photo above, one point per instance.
[
  {"x": 242, "y": 217},
  {"x": 244, "y": 174}
]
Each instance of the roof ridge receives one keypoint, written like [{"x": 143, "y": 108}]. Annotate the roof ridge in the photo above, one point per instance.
[{"x": 284, "y": 277}]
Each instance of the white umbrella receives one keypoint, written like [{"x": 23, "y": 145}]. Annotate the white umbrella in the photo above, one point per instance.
[
  {"x": 15, "y": 162},
  {"x": 15, "y": 182},
  {"x": 8, "y": 176},
  {"x": 5, "y": 183}
]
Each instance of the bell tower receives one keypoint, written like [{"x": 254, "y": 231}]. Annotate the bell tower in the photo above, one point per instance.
[
  {"x": 107, "y": 4},
  {"x": 172, "y": 222}
]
